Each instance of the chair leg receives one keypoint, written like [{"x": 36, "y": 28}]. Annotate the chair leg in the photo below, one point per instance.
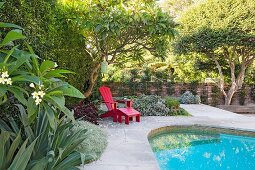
[
  {"x": 115, "y": 118},
  {"x": 119, "y": 118},
  {"x": 138, "y": 118},
  {"x": 127, "y": 120}
]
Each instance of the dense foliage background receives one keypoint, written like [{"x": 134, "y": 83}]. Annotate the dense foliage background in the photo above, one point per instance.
[{"x": 50, "y": 35}]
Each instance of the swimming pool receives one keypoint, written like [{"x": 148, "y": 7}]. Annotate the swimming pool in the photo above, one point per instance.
[{"x": 205, "y": 148}]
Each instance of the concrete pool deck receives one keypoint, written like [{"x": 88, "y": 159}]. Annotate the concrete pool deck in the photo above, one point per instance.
[{"x": 128, "y": 147}]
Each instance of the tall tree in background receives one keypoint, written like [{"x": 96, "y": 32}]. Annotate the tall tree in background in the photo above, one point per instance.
[
  {"x": 223, "y": 31},
  {"x": 116, "y": 29},
  {"x": 176, "y": 7}
]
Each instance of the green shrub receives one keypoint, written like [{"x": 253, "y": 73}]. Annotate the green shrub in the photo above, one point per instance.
[
  {"x": 189, "y": 98},
  {"x": 172, "y": 102},
  {"x": 180, "y": 112},
  {"x": 151, "y": 105},
  {"x": 95, "y": 142},
  {"x": 49, "y": 32}
]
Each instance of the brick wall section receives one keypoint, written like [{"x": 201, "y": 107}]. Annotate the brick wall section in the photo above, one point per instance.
[{"x": 209, "y": 93}]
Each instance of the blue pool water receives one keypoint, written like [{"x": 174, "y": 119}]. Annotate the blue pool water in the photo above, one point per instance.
[{"x": 186, "y": 151}]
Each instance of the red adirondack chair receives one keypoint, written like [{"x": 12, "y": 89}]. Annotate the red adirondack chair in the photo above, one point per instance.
[{"x": 117, "y": 113}]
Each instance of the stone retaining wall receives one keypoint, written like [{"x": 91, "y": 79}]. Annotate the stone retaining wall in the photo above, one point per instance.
[{"x": 209, "y": 93}]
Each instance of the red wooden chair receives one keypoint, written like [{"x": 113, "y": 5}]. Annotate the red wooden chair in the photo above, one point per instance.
[{"x": 117, "y": 113}]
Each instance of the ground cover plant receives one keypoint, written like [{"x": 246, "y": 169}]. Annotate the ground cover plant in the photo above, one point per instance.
[
  {"x": 95, "y": 141},
  {"x": 189, "y": 98},
  {"x": 153, "y": 105}
]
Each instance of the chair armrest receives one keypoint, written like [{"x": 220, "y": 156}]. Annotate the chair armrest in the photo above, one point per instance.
[{"x": 114, "y": 104}]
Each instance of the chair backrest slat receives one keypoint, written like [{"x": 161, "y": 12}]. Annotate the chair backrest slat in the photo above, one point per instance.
[{"x": 107, "y": 96}]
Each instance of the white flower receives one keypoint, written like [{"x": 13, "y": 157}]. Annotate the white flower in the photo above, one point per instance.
[
  {"x": 41, "y": 93},
  {"x": 38, "y": 101},
  {"x": 88, "y": 46},
  {"x": 8, "y": 81},
  {"x": 5, "y": 74},
  {"x": 56, "y": 65},
  {"x": 35, "y": 95},
  {"x": 32, "y": 85},
  {"x": 2, "y": 80},
  {"x": 41, "y": 86}
]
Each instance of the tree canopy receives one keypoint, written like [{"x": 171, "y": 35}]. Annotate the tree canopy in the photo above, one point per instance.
[
  {"x": 221, "y": 30},
  {"x": 121, "y": 30}
]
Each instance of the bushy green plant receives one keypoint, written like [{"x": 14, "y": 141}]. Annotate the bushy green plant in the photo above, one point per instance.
[
  {"x": 38, "y": 86},
  {"x": 180, "y": 112},
  {"x": 172, "y": 102},
  {"x": 95, "y": 142},
  {"x": 189, "y": 98},
  {"x": 151, "y": 105},
  {"x": 48, "y": 30},
  {"x": 174, "y": 105}
]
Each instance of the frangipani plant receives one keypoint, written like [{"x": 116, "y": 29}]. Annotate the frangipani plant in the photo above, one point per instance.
[{"x": 19, "y": 69}]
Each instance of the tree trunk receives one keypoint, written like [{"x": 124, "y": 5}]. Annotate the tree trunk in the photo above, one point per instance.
[
  {"x": 236, "y": 83},
  {"x": 92, "y": 80},
  {"x": 230, "y": 94}
]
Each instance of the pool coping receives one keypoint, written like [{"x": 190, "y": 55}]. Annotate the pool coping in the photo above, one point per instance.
[{"x": 203, "y": 128}]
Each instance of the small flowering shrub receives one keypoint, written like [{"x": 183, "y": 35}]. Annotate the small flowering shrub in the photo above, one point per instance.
[
  {"x": 189, "y": 98},
  {"x": 151, "y": 105}
]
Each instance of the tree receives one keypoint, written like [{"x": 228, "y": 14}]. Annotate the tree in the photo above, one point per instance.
[
  {"x": 116, "y": 29},
  {"x": 221, "y": 30},
  {"x": 176, "y": 7}
]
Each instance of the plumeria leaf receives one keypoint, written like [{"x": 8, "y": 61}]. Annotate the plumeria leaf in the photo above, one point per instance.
[
  {"x": 46, "y": 65},
  {"x": 72, "y": 92},
  {"x": 3, "y": 90},
  {"x": 57, "y": 73},
  {"x": 26, "y": 78},
  {"x": 59, "y": 101},
  {"x": 55, "y": 93},
  {"x": 31, "y": 109},
  {"x": 11, "y": 36},
  {"x": 15, "y": 65},
  {"x": 10, "y": 52},
  {"x": 8, "y": 25},
  {"x": 18, "y": 93}
]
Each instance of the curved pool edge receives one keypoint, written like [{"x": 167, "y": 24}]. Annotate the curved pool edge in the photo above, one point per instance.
[{"x": 199, "y": 127}]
